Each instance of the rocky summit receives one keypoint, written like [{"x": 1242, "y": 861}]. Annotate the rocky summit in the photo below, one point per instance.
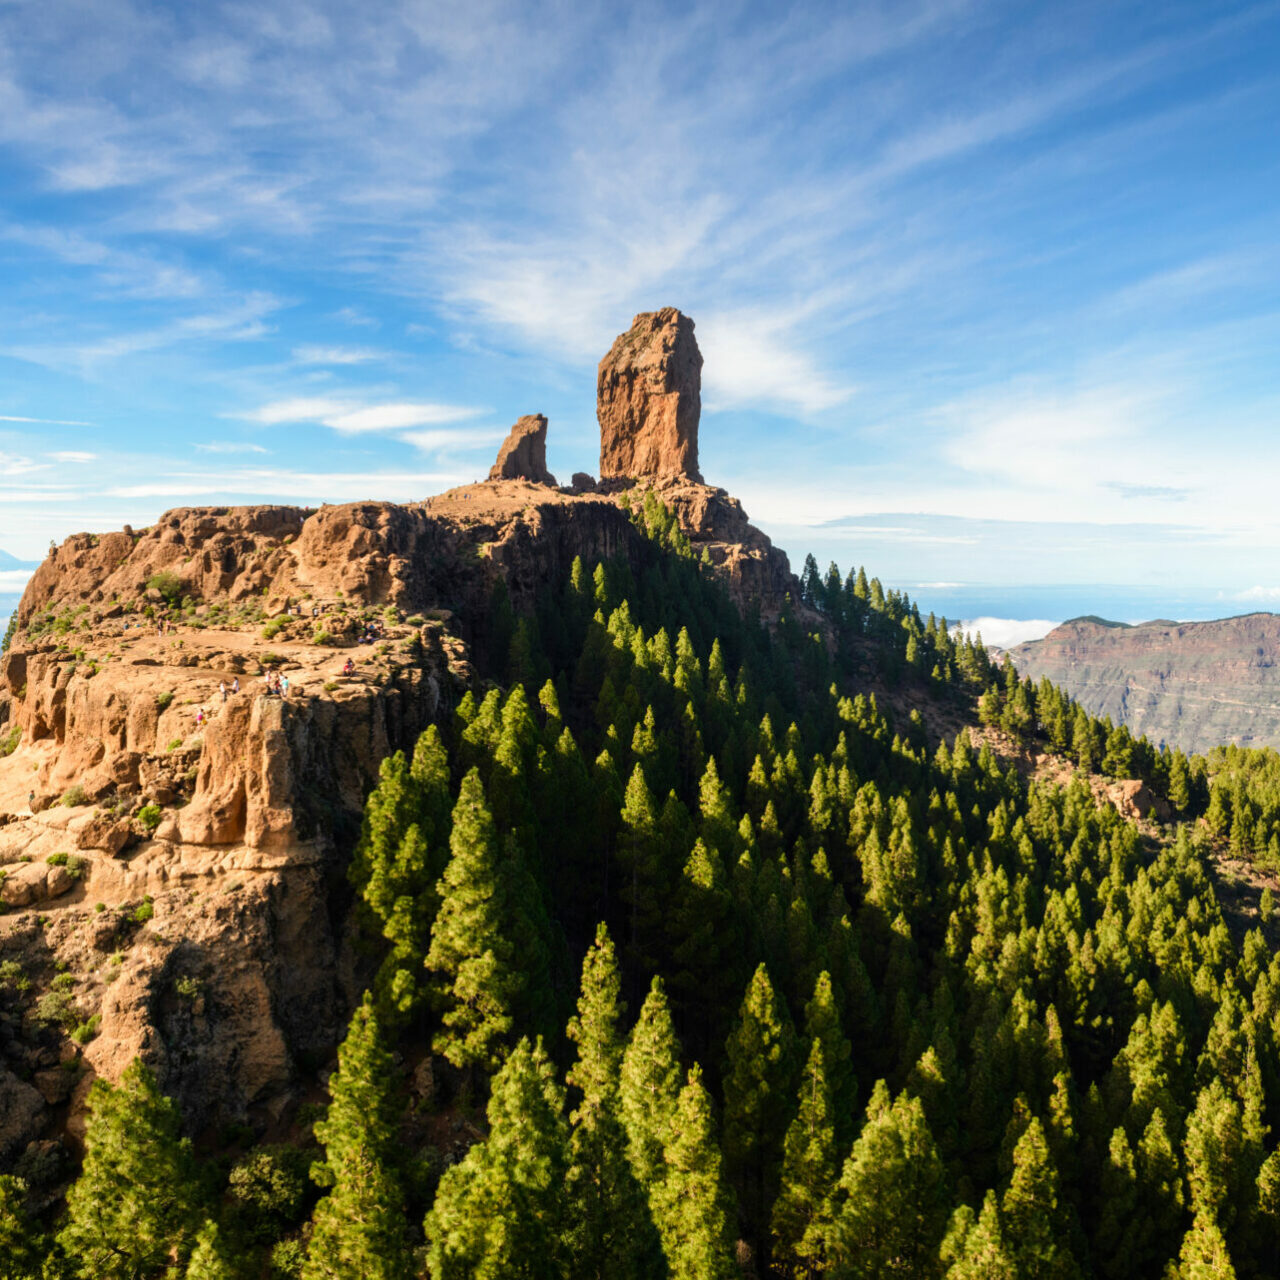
[
  {"x": 193, "y": 714},
  {"x": 649, "y": 399},
  {"x": 523, "y": 455},
  {"x": 1194, "y": 685}
]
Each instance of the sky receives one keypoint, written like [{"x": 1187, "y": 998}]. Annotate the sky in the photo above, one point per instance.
[{"x": 987, "y": 293}]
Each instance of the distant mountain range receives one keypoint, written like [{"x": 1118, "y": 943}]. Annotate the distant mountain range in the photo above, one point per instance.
[
  {"x": 1196, "y": 685},
  {"x": 12, "y": 562}
]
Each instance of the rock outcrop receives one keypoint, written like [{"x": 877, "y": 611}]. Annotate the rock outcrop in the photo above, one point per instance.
[
  {"x": 172, "y": 832},
  {"x": 649, "y": 399},
  {"x": 523, "y": 455}
]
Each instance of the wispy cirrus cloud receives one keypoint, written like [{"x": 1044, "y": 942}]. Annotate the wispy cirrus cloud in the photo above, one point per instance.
[
  {"x": 351, "y": 417},
  {"x": 314, "y": 354}
]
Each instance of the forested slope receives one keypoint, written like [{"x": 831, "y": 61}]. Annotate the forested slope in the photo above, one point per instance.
[{"x": 724, "y": 974}]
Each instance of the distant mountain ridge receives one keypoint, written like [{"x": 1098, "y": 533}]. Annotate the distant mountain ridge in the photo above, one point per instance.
[
  {"x": 1195, "y": 685},
  {"x": 12, "y": 562}
]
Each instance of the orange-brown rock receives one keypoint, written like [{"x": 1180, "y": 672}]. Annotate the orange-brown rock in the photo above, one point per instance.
[
  {"x": 649, "y": 399},
  {"x": 523, "y": 455},
  {"x": 241, "y": 974}
]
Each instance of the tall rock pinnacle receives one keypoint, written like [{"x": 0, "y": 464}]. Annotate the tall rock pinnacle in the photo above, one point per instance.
[
  {"x": 649, "y": 399},
  {"x": 523, "y": 455}
]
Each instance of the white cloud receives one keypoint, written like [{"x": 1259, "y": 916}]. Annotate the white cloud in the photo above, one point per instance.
[
  {"x": 14, "y": 464},
  {"x": 352, "y": 418},
  {"x": 47, "y": 422},
  {"x": 396, "y": 417},
  {"x": 14, "y": 579},
  {"x": 462, "y": 438},
  {"x": 73, "y": 455},
  {"x": 354, "y": 316},
  {"x": 230, "y": 446},
  {"x": 297, "y": 409},
  {"x": 336, "y": 355},
  {"x": 1258, "y": 593},
  {"x": 303, "y": 487},
  {"x": 750, "y": 359},
  {"x": 1007, "y": 632}
]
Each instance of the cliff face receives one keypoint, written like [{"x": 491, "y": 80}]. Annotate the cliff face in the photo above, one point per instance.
[
  {"x": 1195, "y": 685},
  {"x": 181, "y": 853}
]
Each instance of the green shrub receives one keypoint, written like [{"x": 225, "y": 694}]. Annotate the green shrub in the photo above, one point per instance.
[
  {"x": 269, "y": 1186},
  {"x": 269, "y": 659},
  {"x": 273, "y": 628},
  {"x": 187, "y": 986},
  {"x": 149, "y": 816},
  {"x": 64, "y": 982},
  {"x": 85, "y": 1031},
  {"x": 321, "y": 636},
  {"x": 287, "y": 1260},
  {"x": 416, "y": 620},
  {"x": 168, "y": 584},
  {"x": 58, "y": 859},
  {"x": 12, "y": 977},
  {"x": 174, "y": 744},
  {"x": 57, "y": 1009},
  {"x": 9, "y": 743},
  {"x": 144, "y": 912},
  {"x": 74, "y": 797}
]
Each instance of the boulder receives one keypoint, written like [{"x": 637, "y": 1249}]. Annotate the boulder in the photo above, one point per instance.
[
  {"x": 20, "y": 1114},
  {"x": 104, "y": 832},
  {"x": 649, "y": 399},
  {"x": 583, "y": 483},
  {"x": 523, "y": 455}
]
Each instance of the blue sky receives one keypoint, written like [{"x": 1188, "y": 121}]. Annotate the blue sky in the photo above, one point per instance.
[{"x": 987, "y": 293}]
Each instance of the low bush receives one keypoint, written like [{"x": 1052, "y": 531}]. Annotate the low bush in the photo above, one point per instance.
[
  {"x": 163, "y": 700},
  {"x": 149, "y": 816},
  {"x": 168, "y": 584},
  {"x": 85, "y": 1031},
  {"x": 74, "y": 797}
]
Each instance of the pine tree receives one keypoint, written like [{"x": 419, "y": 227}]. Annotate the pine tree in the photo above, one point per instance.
[
  {"x": 472, "y": 958},
  {"x": 982, "y": 1252},
  {"x": 20, "y": 1248},
  {"x": 136, "y": 1201},
  {"x": 692, "y": 1208},
  {"x": 1031, "y": 1216},
  {"x": 822, "y": 1021},
  {"x": 650, "y": 1087},
  {"x": 500, "y": 1214},
  {"x": 210, "y": 1260},
  {"x": 611, "y": 1236},
  {"x": 358, "y": 1229},
  {"x": 894, "y": 1210},
  {"x": 759, "y": 1093},
  {"x": 1204, "y": 1253},
  {"x": 803, "y": 1211}
]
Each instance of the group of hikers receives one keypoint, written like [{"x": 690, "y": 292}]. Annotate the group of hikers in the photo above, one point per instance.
[{"x": 277, "y": 684}]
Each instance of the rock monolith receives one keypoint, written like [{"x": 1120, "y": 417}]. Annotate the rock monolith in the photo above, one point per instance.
[
  {"x": 649, "y": 399},
  {"x": 523, "y": 455}
]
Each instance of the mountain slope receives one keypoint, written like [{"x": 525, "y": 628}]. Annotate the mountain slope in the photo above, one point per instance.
[{"x": 1195, "y": 685}]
